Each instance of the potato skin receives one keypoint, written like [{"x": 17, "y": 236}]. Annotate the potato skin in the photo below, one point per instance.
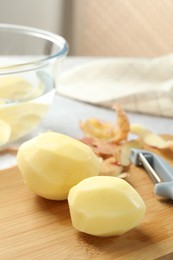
[
  {"x": 105, "y": 206},
  {"x": 52, "y": 163}
]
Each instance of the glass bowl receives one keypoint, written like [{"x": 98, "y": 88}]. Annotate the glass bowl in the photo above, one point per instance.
[{"x": 30, "y": 65}]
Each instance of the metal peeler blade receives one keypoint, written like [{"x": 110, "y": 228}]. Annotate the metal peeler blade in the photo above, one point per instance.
[{"x": 158, "y": 169}]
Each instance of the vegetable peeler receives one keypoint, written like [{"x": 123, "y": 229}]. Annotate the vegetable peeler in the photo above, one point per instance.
[{"x": 157, "y": 168}]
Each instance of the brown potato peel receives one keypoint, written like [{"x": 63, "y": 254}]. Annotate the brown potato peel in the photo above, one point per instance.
[
  {"x": 106, "y": 131},
  {"x": 110, "y": 142},
  {"x": 151, "y": 139}
]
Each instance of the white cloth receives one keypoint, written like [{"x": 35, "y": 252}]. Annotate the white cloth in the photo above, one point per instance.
[{"x": 143, "y": 85}]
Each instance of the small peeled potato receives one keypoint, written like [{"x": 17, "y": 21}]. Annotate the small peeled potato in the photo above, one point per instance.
[
  {"x": 52, "y": 163},
  {"x": 105, "y": 206}
]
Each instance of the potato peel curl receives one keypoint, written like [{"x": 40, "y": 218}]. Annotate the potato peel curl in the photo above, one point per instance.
[
  {"x": 106, "y": 131},
  {"x": 110, "y": 142}
]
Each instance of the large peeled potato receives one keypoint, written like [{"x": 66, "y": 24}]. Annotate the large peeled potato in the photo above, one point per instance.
[
  {"x": 52, "y": 163},
  {"x": 105, "y": 206}
]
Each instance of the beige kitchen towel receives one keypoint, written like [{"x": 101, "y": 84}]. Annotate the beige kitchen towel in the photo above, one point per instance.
[{"x": 143, "y": 85}]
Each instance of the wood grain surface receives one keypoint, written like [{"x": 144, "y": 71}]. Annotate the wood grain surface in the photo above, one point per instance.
[{"x": 35, "y": 228}]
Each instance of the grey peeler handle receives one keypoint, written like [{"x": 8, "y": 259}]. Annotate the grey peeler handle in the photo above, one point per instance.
[{"x": 164, "y": 189}]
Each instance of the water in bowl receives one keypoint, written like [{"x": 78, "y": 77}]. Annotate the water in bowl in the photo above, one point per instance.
[{"x": 24, "y": 100}]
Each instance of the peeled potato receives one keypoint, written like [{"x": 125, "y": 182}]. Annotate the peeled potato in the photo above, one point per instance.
[
  {"x": 5, "y": 132},
  {"x": 52, "y": 163},
  {"x": 105, "y": 206},
  {"x": 13, "y": 88}
]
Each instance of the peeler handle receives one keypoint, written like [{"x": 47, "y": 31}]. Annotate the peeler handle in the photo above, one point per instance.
[{"x": 164, "y": 189}]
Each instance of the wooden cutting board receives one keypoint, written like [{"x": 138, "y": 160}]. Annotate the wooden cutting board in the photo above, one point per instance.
[{"x": 35, "y": 228}]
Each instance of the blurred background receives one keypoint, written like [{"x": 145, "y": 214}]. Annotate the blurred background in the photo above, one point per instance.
[{"x": 99, "y": 27}]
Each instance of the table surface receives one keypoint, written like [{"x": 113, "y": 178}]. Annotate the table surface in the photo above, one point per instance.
[{"x": 34, "y": 228}]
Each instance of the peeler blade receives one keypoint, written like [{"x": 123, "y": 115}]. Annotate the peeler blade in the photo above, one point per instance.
[{"x": 157, "y": 168}]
